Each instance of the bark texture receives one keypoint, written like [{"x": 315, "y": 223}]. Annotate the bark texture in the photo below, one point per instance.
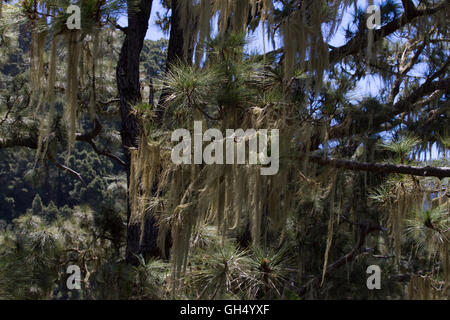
[{"x": 128, "y": 85}]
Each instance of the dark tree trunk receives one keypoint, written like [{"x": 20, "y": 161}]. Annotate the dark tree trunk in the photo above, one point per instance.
[
  {"x": 127, "y": 73},
  {"x": 175, "y": 50}
]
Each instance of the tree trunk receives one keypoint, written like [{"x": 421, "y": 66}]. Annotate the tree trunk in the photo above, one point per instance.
[
  {"x": 127, "y": 73},
  {"x": 175, "y": 52}
]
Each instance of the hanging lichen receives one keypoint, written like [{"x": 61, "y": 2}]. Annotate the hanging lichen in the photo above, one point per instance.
[
  {"x": 48, "y": 113},
  {"x": 331, "y": 223},
  {"x": 144, "y": 166},
  {"x": 38, "y": 37},
  {"x": 301, "y": 30},
  {"x": 71, "y": 109},
  {"x": 94, "y": 69},
  {"x": 425, "y": 288}
]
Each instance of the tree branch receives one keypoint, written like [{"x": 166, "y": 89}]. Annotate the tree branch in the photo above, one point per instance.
[
  {"x": 382, "y": 167},
  {"x": 427, "y": 88},
  {"x": 404, "y": 105},
  {"x": 105, "y": 153},
  {"x": 29, "y": 142},
  {"x": 359, "y": 42},
  {"x": 117, "y": 26},
  {"x": 404, "y": 68},
  {"x": 65, "y": 168},
  {"x": 89, "y": 138},
  {"x": 366, "y": 228}
]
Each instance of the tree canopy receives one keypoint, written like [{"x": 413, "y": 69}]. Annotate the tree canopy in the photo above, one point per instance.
[{"x": 86, "y": 123}]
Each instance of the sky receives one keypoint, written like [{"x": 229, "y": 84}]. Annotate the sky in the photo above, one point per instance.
[{"x": 154, "y": 32}]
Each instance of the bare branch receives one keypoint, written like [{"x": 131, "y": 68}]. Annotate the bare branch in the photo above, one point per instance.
[
  {"x": 117, "y": 26},
  {"x": 105, "y": 153},
  {"x": 385, "y": 168},
  {"x": 65, "y": 168},
  {"x": 404, "y": 68},
  {"x": 89, "y": 138}
]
